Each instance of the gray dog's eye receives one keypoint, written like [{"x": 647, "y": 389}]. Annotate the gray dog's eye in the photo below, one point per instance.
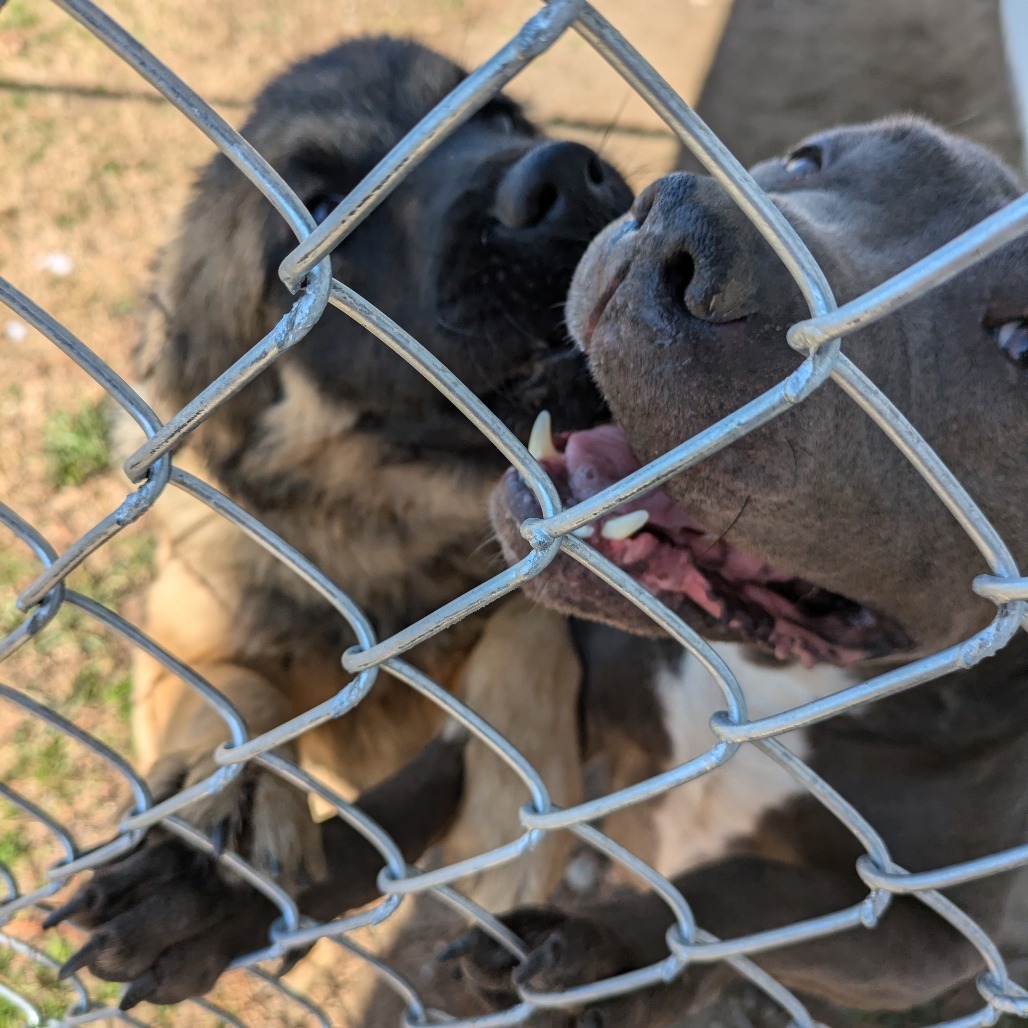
[
  {"x": 807, "y": 160},
  {"x": 1012, "y": 337}
]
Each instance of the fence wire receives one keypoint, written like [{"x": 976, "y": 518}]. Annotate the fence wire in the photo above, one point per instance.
[{"x": 307, "y": 270}]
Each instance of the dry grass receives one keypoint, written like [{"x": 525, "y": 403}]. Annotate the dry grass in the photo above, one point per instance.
[{"x": 94, "y": 166}]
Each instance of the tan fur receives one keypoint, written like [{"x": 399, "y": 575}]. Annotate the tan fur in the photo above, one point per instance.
[
  {"x": 523, "y": 672},
  {"x": 522, "y": 677},
  {"x": 633, "y": 827}
]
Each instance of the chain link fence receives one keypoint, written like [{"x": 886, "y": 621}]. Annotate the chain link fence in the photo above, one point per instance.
[{"x": 306, "y": 269}]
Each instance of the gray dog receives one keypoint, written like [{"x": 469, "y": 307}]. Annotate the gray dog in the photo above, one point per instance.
[{"x": 812, "y": 553}]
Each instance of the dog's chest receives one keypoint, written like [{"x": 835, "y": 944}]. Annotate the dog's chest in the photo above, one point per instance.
[{"x": 696, "y": 822}]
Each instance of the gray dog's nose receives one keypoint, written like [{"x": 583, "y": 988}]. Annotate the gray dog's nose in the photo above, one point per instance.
[
  {"x": 643, "y": 203},
  {"x": 554, "y": 185},
  {"x": 706, "y": 255}
]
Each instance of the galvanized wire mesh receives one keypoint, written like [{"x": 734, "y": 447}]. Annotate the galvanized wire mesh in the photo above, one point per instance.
[{"x": 307, "y": 270}]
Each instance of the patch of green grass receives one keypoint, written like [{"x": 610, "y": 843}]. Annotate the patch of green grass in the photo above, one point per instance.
[
  {"x": 57, "y": 947},
  {"x": 38, "y": 984},
  {"x": 49, "y": 640},
  {"x": 15, "y": 568},
  {"x": 52, "y": 763},
  {"x": 69, "y": 219},
  {"x": 91, "y": 687},
  {"x": 20, "y": 748},
  {"x": 130, "y": 569},
  {"x": 15, "y": 571},
  {"x": 18, "y": 14},
  {"x": 45, "y": 130},
  {"x": 13, "y": 846},
  {"x": 76, "y": 444},
  {"x": 88, "y": 686},
  {"x": 40, "y": 754},
  {"x": 41, "y": 988},
  {"x": 70, "y": 628},
  {"x": 17, "y": 98},
  {"x": 10, "y": 1015},
  {"x": 120, "y": 697},
  {"x": 105, "y": 994}
]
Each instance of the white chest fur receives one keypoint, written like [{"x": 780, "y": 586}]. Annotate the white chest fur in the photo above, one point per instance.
[{"x": 696, "y": 821}]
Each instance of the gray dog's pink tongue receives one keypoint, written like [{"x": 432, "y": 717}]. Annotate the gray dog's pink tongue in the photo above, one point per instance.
[
  {"x": 675, "y": 555},
  {"x": 599, "y": 457},
  {"x": 596, "y": 458}
]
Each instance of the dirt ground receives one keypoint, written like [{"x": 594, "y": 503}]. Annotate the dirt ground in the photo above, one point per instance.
[{"x": 94, "y": 167}]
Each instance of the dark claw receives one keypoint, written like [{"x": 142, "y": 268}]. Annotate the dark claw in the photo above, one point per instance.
[
  {"x": 139, "y": 990},
  {"x": 79, "y": 901},
  {"x": 547, "y": 955},
  {"x": 79, "y": 960}
]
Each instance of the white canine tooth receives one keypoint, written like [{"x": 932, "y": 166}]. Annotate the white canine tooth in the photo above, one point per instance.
[
  {"x": 624, "y": 525},
  {"x": 584, "y": 532},
  {"x": 540, "y": 442}
]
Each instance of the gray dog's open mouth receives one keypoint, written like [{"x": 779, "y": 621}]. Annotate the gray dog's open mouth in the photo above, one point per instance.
[{"x": 675, "y": 558}]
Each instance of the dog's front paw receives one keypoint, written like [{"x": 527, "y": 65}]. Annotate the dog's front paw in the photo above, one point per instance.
[
  {"x": 166, "y": 921},
  {"x": 563, "y": 951},
  {"x": 258, "y": 815}
]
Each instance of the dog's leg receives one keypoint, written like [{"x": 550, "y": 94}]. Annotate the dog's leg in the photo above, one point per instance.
[
  {"x": 258, "y": 814},
  {"x": 175, "y": 730},
  {"x": 908, "y": 959},
  {"x": 524, "y": 677},
  {"x": 168, "y": 921}
]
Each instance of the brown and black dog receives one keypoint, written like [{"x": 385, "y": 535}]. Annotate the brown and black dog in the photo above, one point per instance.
[
  {"x": 350, "y": 455},
  {"x": 813, "y": 554}
]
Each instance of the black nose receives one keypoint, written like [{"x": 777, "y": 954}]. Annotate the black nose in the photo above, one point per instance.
[{"x": 557, "y": 184}]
